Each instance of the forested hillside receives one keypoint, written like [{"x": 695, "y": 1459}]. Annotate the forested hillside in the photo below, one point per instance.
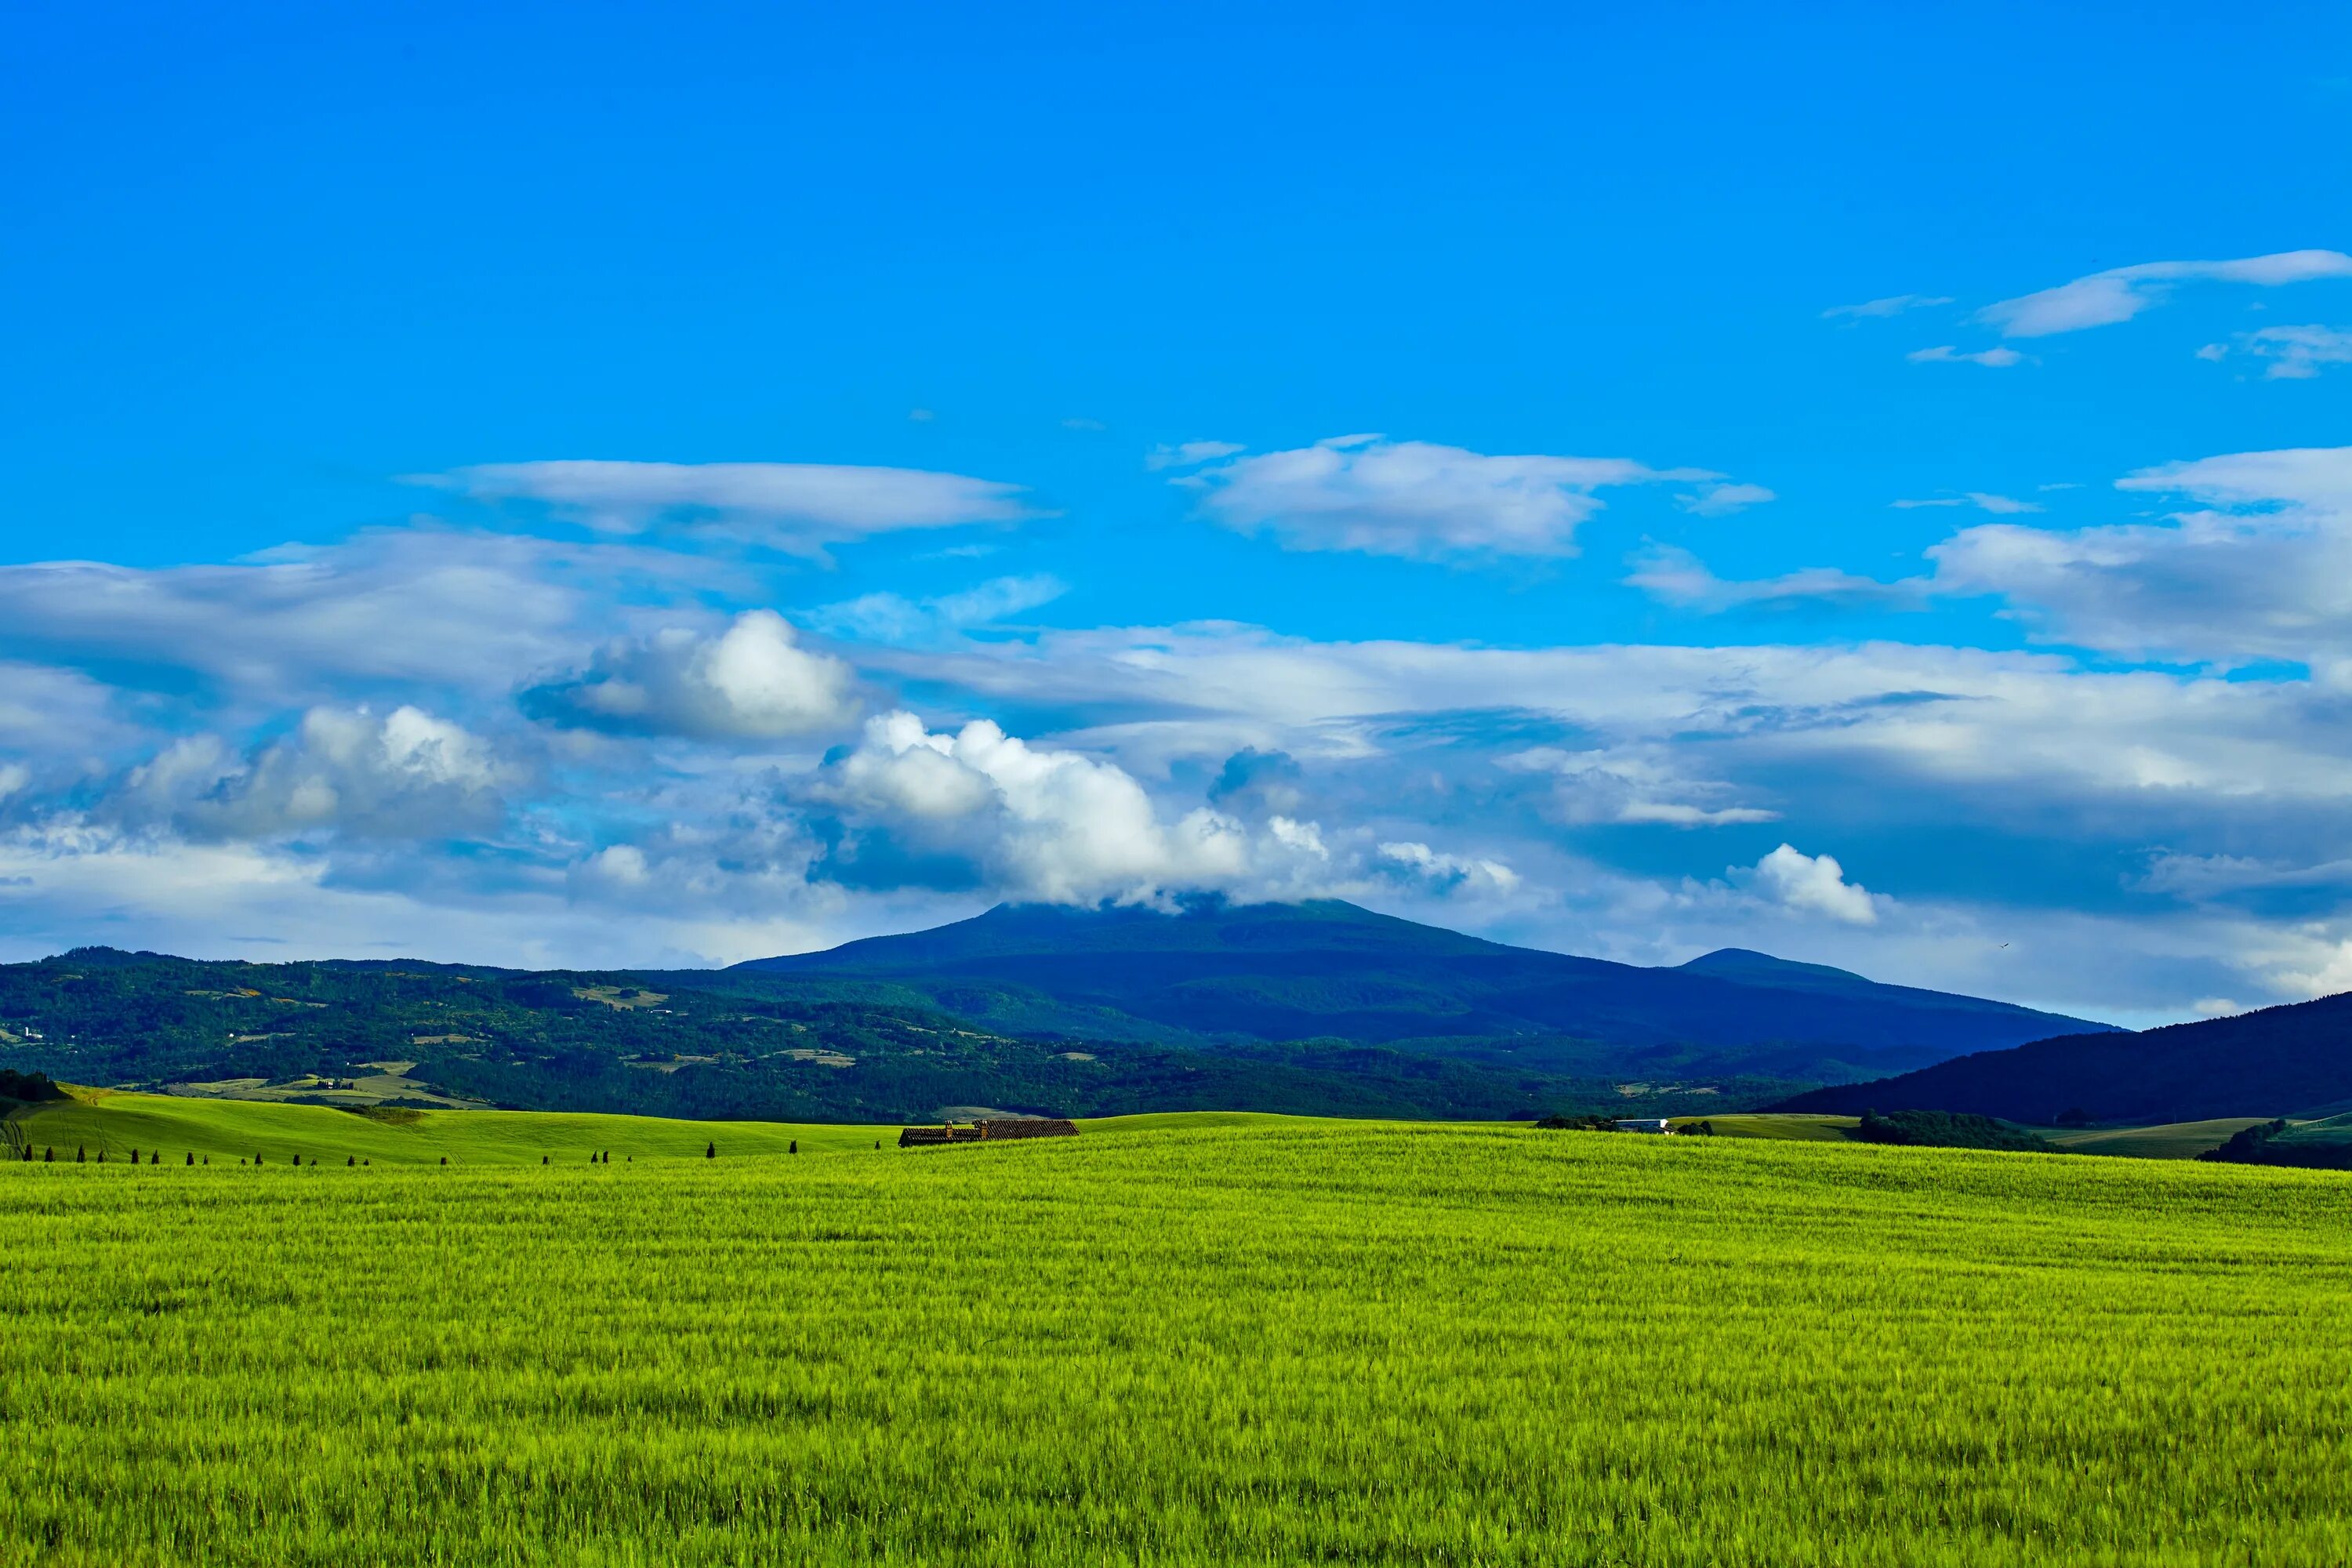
[{"x": 403, "y": 1032}]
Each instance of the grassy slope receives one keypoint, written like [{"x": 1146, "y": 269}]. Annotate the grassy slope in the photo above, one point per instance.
[
  {"x": 1259, "y": 1340},
  {"x": 2166, "y": 1141},
  {"x": 228, "y": 1130},
  {"x": 1783, "y": 1128}
]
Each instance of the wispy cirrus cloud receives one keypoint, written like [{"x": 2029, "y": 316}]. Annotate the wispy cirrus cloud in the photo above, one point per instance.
[
  {"x": 443, "y": 607},
  {"x": 1188, "y": 454},
  {"x": 1723, "y": 499},
  {"x": 1675, "y": 577},
  {"x": 1950, "y": 353},
  {"x": 1983, "y": 500},
  {"x": 2290, "y": 353},
  {"x": 1893, "y": 305},
  {"x": 1416, "y": 499},
  {"x": 894, "y": 618},
  {"x": 2119, "y": 293},
  {"x": 795, "y": 507}
]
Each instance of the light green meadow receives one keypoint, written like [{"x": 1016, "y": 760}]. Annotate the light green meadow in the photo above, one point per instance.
[{"x": 1168, "y": 1341}]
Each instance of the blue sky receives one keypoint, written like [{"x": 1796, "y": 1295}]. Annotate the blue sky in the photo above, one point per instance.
[{"x": 556, "y": 485}]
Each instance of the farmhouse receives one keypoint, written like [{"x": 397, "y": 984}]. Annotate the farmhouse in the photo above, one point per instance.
[
  {"x": 994, "y": 1132},
  {"x": 1646, "y": 1124}
]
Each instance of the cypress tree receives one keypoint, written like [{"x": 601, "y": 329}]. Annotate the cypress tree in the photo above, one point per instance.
[
  {"x": 191, "y": 1156},
  {"x": 711, "y": 1151},
  {"x": 795, "y": 1147},
  {"x": 49, "y": 1155},
  {"x": 102, "y": 1154},
  {"x": 542, "y": 1159},
  {"x": 81, "y": 1153},
  {"x": 350, "y": 1162},
  {"x": 445, "y": 1159}
]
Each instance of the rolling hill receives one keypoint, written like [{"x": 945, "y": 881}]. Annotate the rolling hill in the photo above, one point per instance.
[
  {"x": 2275, "y": 1062},
  {"x": 1216, "y": 973}
]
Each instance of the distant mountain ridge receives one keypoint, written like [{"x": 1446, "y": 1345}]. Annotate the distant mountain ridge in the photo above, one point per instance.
[
  {"x": 2277, "y": 1061},
  {"x": 1328, "y": 969}
]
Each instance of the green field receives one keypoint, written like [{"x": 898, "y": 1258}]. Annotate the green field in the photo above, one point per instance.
[
  {"x": 1165, "y": 1342},
  {"x": 229, "y": 1130}
]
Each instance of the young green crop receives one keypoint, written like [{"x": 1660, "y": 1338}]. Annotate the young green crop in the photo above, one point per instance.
[{"x": 1264, "y": 1342}]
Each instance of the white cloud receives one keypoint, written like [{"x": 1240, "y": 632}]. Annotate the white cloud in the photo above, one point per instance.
[
  {"x": 1949, "y": 354},
  {"x": 1635, "y": 784},
  {"x": 2265, "y": 572},
  {"x": 1722, "y": 500},
  {"x": 1188, "y": 454},
  {"x": 1473, "y": 873},
  {"x": 1040, "y": 823},
  {"x": 1982, "y": 500},
  {"x": 894, "y": 618},
  {"x": 751, "y": 682},
  {"x": 1676, "y": 814},
  {"x": 1675, "y": 577},
  {"x": 2292, "y": 354},
  {"x": 797, "y": 508},
  {"x": 1812, "y": 884},
  {"x": 472, "y": 611},
  {"x": 2120, "y": 293},
  {"x": 1893, "y": 305},
  {"x": 1415, "y": 499},
  {"x": 407, "y": 775}
]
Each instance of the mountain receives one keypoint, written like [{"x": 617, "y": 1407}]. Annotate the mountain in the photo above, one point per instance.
[
  {"x": 1217, "y": 974},
  {"x": 2275, "y": 1062}
]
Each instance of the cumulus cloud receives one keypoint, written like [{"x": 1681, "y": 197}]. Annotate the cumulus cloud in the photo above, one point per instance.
[
  {"x": 1949, "y": 354},
  {"x": 1414, "y": 499},
  {"x": 1451, "y": 872},
  {"x": 1041, "y": 823},
  {"x": 407, "y": 775},
  {"x": 894, "y": 618},
  {"x": 1812, "y": 884},
  {"x": 752, "y": 681},
  {"x": 796, "y": 508},
  {"x": 1255, "y": 781},
  {"x": 2290, "y": 353},
  {"x": 1893, "y": 305},
  {"x": 2104, "y": 299}
]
